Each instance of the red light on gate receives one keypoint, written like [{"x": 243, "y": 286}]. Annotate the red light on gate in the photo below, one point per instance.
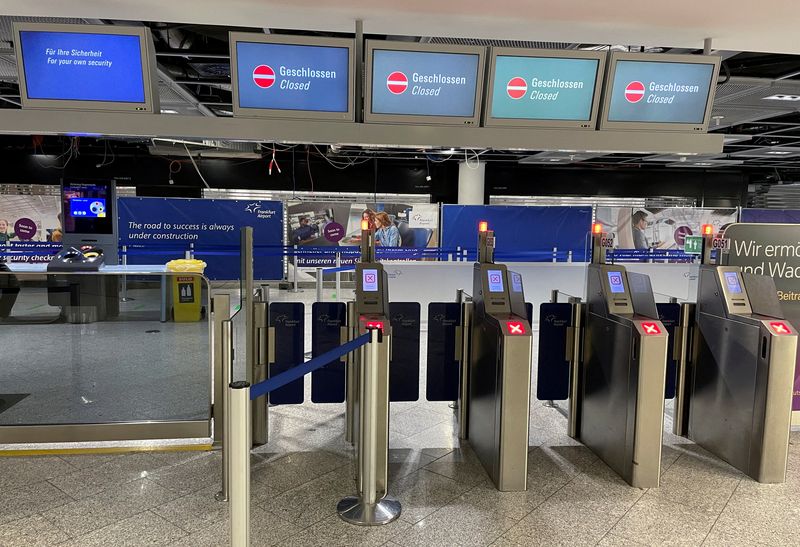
[
  {"x": 597, "y": 228},
  {"x": 375, "y": 325},
  {"x": 515, "y": 327},
  {"x": 780, "y": 328},
  {"x": 364, "y": 225},
  {"x": 707, "y": 229},
  {"x": 483, "y": 226},
  {"x": 651, "y": 328}
]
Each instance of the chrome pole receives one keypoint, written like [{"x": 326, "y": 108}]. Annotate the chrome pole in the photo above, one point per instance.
[
  {"x": 295, "y": 287},
  {"x": 124, "y": 275},
  {"x": 350, "y": 375},
  {"x": 338, "y": 276},
  {"x": 261, "y": 326},
  {"x": 369, "y": 508},
  {"x": 319, "y": 284},
  {"x": 574, "y": 351},
  {"x": 240, "y": 441},
  {"x": 222, "y": 419}
]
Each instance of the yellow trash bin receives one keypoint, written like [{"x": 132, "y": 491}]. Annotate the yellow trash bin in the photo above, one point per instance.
[{"x": 186, "y": 290}]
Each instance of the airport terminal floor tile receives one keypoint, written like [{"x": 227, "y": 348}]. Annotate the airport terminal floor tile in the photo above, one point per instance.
[{"x": 572, "y": 497}]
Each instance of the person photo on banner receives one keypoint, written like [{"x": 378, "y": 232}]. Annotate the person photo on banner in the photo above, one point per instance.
[
  {"x": 386, "y": 234},
  {"x": 305, "y": 232},
  {"x": 5, "y": 236},
  {"x": 369, "y": 216},
  {"x": 638, "y": 226}
]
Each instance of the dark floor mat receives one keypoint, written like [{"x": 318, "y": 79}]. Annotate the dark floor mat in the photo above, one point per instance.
[{"x": 7, "y": 400}]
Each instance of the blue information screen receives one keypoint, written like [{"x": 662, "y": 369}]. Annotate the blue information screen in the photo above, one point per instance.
[
  {"x": 424, "y": 83},
  {"x": 732, "y": 281},
  {"x": 516, "y": 282},
  {"x": 657, "y": 91},
  {"x": 293, "y": 77},
  {"x": 615, "y": 281},
  {"x": 543, "y": 88},
  {"x": 495, "y": 280},
  {"x": 77, "y": 66},
  {"x": 87, "y": 207},
  {"x": 369, "y": 280}
]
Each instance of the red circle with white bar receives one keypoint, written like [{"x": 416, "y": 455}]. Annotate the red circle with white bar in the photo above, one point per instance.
[
  {"x": 517, "y": 87},
  {"x": 397, "y": 82},
  {"x": 263, "y": 76},
  {"x": 651, "y": 328},
  {"x": 634, "y": 92}
]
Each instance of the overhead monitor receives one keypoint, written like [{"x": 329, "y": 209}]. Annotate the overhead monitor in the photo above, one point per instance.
[
  {"x": 423, "y": 83},
  {"x": 86, "y": 67},
  {"x": 544, "y": 88},
  {"x": 659, "y": 92},
  {"x": 276, "y": 76}
]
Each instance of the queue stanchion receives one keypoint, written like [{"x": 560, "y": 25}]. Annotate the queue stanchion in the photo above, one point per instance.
[
  {"x": 124, "y": 289},
  {"x": 369, "y": 507},
  {"x": 319, "y": 284},
  {"x": 240, "y": 436}
]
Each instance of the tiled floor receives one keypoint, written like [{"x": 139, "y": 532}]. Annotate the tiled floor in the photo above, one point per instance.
[{"x": 572, "y": 498}]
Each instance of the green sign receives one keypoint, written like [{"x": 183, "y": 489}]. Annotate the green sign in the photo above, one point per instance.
[{"x": 693, "y": 245}]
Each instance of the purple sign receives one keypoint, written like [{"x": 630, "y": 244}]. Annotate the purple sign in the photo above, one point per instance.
[
  {"x": 333, "y": 232},
  {"x": 680, "y": 235},
  {"x": 25, "y": 229}
]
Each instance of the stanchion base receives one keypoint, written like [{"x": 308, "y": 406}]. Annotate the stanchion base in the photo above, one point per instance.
[
  {"x": 220, "y": 496},
  {"x": 354, "y": 511}
]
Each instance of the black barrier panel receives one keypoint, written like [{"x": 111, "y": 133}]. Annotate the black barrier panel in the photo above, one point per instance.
[
  {"x": 669, "y": 315},
  {"x": 444, "y": 319},
  {"x": 327, "y": 320},
  {"x": 529, "y": 311},
  {"x": 553, "y": 375},
  {"x": 404, "y": 366},
  {"x": 288, "y": 318}
]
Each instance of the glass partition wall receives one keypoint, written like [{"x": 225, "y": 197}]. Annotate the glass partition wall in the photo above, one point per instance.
[{"x": 102, "y": 356}]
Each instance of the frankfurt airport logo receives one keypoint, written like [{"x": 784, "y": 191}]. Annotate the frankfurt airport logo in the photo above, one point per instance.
[
  {"x": 517, "y": 87},
  {"x": 397, "y": 83},
  {"x": 634, "y": 92}
]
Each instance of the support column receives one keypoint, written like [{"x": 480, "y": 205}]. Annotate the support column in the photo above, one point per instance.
[{"x": 471, "y": 178}]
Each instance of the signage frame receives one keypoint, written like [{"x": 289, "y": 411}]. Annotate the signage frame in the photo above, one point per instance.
[
  {"x": 147, "y": 52},
  {"x": 421, "y": 119},
  {"x": 590, "y": 124},
  {"x": 290, "y": 40},
  {"x": 611, "y": 69}
]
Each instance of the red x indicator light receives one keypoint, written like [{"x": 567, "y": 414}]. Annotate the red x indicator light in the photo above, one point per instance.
[
  {"x": 375, "y": 325},
  {"x": 780, "y": 328},
  {"x": 515, "y": 327},
  {"x": 651, "y": 328}
]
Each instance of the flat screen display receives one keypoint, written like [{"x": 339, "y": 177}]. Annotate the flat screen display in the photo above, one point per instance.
[
  {"x": 543, "y": 88},
  {"x": 516, "y": 282},
  {"x": 495, "y": 278},
  {"x": 733, "y": 283},
  {"x": 615, "y": 282},
  {"x": 659, "y": 91},
  {"x": 369, "y": 280},
  {"x": 87, "y": 208},
  {"x": 78, "y": 66},
  {"x": 293, "y": 77},
  {"x": 424, "y": 83}
]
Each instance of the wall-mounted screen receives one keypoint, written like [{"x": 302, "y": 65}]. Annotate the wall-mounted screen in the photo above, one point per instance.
[
  {"x": 369, "y": 280},
  {"x": 85, "y": 67},
  {"x": 615, "y": 282},
  {"x": 292, "y": 76},
  {"x": 544, "y": 88},
  {"x": 420, "y": 83},
  {"x": 659, "y": 92},
  {"x": 733, "y": 283},
  {"x": 87, "y": 207},
  {"x": 495, "y": 278}
]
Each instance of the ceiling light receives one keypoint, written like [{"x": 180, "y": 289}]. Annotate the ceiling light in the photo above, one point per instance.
[
  {"x": 168, "y": 111},
  {"x": 448, "y": 151},
  {"x": 778, "y": 153},
  {"x": 782, "y": 98},
  {"x": 554, "y": 159}
]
